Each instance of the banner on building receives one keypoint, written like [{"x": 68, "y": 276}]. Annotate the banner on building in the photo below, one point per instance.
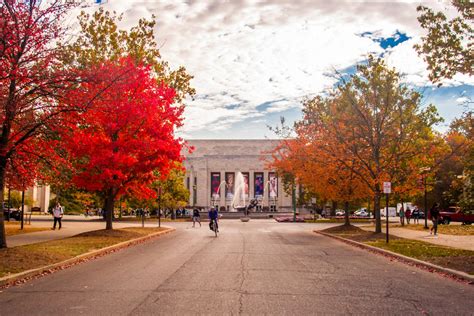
[
  {"x": 229, "y": 185},
  {"x": 258, "y": 184},
  {"x": 215, "y": 183},
  {"x": 246, "y": 184},
  {"x": 273, "y": 187}
]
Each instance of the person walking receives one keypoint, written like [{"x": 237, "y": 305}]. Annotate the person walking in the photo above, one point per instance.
[
  {"x": 196, "y": 217},
  {"x": 416, "y": 215},
  {"x": 401, "y": 213},
  {"x": 58, "y": 213},
  {"x": 408, "y": 215},
  {"x": 434, "y": 213}
]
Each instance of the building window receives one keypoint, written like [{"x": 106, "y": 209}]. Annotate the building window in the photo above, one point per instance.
[{"x": 187, "y": 183}]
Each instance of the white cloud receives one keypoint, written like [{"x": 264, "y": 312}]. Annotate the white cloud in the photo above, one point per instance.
[{"x": 245, "y": 53}]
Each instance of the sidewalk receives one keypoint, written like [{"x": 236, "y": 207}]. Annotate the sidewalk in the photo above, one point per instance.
[
  {"x": 72, "y": 225},
  {"x": 460, "y": 242}
]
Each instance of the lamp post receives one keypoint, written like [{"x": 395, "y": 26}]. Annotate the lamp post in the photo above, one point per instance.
[{"x": 293, "y": 193}]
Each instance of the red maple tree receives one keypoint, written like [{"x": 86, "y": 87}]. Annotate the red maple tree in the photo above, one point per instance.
[
  {"x": 127, "y": 134},
  {"x": 32, "y": 82}
]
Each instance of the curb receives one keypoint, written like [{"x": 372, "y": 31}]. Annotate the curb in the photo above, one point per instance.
[
  {"x": 23, "y": 277},
  {"x": 459, "y": 275}
]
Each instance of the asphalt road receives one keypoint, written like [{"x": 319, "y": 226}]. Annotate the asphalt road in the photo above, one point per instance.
[{"x": 259, "y": 267}]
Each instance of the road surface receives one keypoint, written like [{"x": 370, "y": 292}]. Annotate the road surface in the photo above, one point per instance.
[{"x": 255, "y": 268}]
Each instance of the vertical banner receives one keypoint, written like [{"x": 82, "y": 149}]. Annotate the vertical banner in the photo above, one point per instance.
[
  {"x": 273, "y": 190},
  {"x": 229, "y": 185},
  {"x": 215, "y": 182},
  {"x": 258, "y": 184},
  {"x": 246, "y": 184}
]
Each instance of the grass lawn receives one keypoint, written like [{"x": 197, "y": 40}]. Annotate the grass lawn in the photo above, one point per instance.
[
  {"x": 457, "y": 259},
  {"x": 464, "y": 230},
  {"x": 13, "y": 228},
  {"x": 22, "y": 258}
]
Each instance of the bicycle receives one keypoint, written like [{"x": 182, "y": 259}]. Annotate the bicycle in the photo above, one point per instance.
[{"x": 214, "y": 226}]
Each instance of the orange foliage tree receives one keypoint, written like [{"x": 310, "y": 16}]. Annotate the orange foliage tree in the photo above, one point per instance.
[{"x": 371, "y": 128}]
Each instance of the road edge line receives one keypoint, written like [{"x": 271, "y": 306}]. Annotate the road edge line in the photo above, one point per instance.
[
  {"x": 404, "y": 259},
  {"x": 23, "y": 277}
]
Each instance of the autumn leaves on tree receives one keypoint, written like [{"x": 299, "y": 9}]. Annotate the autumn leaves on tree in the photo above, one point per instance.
[
  {"x": 368, "y": 130},
  {"x": 105, "y": 107}
]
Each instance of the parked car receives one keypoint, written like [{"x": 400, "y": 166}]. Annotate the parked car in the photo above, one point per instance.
[
  {"x": 340, "y": 213},
  {"x": 14, "y": 213},
  {"x": 456, "y": 214},
  {"x": 361, "y": 213},
  {"x": 418, "y": 213}
]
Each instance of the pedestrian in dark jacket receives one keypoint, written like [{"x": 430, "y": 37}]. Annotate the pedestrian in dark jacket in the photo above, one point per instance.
[
  {"x": 196, "y": 217},
  {"x": 434, "y": 218}
]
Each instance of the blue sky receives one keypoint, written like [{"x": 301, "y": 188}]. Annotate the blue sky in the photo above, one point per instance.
[{"x": 256, "y": 60}]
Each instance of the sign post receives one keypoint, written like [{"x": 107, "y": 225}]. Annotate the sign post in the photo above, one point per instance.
[{"x": 387, "y": 189}]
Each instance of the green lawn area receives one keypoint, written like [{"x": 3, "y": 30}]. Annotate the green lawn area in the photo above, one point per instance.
[
  {"x": 457, "y": 259},
  {"x": 13, "y": 228},
  {"x": 22, "y": 258},
  {"x": 453, "y": 229}
]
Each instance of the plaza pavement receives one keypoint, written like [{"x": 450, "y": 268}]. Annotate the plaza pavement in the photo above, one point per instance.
[
  {"x": 255, "y": 268},
  {"x": 73, "y": 225}
]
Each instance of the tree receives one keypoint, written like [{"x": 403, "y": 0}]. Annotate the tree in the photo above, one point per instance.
[
  {"x": 461, "y": 136},
  {"x": 32, "y": 79},
  {"x": 448, "y": 47},
  {"x": 173, "y": 191},
  {"x": 101, "y": 40},
  {"x": 125, "y": 136},
  {"x": 373, "y": 126},
  {"x": 328, "y": 179}
]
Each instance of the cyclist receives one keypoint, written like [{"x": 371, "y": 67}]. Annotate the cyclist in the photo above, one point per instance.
[{"x": 213, "y": 215}]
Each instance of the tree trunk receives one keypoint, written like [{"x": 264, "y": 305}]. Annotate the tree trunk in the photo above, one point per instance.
[
  {"x": 109, "y": 208},
  {"x": 3, "y": 237},
  {"x": 378, "y": 221},
  {"x": 333, "y": 208},
  {"x": 346, "y": 215}
]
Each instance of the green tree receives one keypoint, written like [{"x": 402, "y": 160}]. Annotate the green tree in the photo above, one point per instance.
[
  {"x": 100, "y": 39},
  {"x": 448, "y": 46},
  {"x": 173, "y": 191}
]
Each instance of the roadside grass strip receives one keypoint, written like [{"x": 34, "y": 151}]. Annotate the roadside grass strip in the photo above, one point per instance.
[
  {"x": 13, "y": 228},
  {"x": 446, "y": 257},
  {"x": 23, "y": 258},
  {"x": 457, "y": 230}
]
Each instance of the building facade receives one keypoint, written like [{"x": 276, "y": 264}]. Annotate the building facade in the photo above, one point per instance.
[{"x": 216, "y": 170}]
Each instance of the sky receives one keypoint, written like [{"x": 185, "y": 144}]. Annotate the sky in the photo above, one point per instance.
[{"x": 256, "y": 61}]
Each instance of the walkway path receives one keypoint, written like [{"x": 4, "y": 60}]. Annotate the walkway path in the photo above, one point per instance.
[
  {"x": 255, "y": 268},
  {"x": 72, "y": 225},
  {"x": 461, "y": 242}
]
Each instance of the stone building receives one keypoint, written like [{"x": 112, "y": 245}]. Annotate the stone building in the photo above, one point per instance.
[{"x": 216, "y": 169}]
